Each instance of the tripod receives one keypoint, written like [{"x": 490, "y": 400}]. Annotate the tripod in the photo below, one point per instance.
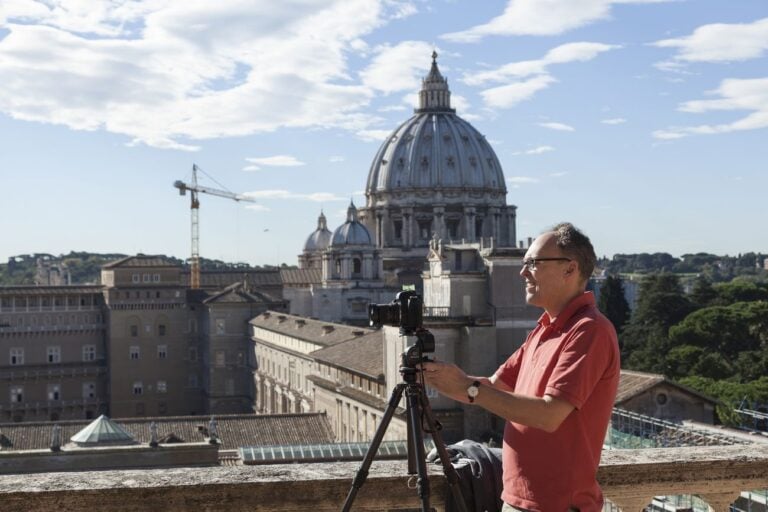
[{"x": 416, "y": 405}]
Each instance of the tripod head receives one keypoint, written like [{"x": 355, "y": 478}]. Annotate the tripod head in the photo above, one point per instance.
[{"x": 415, "y": 354}]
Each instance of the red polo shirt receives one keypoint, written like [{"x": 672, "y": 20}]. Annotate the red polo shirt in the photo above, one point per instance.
[{"x": 574, "y": 358}]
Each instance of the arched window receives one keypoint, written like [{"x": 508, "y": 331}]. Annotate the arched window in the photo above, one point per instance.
[{"x": 356, "y": 266}]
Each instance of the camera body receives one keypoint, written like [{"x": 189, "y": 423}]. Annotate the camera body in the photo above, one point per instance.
[{"x": 405, "y": 311}]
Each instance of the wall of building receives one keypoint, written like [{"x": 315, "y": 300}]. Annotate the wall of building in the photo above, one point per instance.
[
  {"x": 671, "y": 403},
  {"x": 101, "y": 458},
  {"x": 52, "y": 354}
]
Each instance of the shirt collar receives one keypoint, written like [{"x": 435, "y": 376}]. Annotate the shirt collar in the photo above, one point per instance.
[{"x": 578, "y": 302}]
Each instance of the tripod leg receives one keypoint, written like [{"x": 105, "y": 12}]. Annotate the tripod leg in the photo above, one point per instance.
[
  {"x": 450, "y": 472},
  {"x": 362, "y": 473},
  {"x": 413, "y": 395}
]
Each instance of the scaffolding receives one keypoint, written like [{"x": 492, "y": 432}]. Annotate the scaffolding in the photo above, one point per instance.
[{"x": 633, "y": 430}]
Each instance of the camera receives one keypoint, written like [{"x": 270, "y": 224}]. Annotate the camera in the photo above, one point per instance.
[{"x": 406, "y": 312}]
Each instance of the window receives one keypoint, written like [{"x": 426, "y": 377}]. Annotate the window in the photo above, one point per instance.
[
  {"x": 89, "y": 352},
  {"x": 478, "y": 228},
  {"x": 398, "y": 224},
  {"x": 147, "y": 278},
  {"x": 17, "y": 356},
  {"x": 221, "y": 358},
  {"x": 134, "y": 352},
  {"x": 54, "y": 392},
  {"x": 424, "y": 227},
  {"x": 54, "y": 354},
  {"x": 221, "y": 326},
  {"x": 229, "y": 387},
  {"x": 89, "y": 390},
  {"x": 135, "y": 278},
  {"x": 193, "y": 353},
  {"x": 162, "y": 387},
  {"x": 17, "y": 394},
  {"x": 156, "y": 278},
  {"x": 138, "y": 388},
  {"x": 453, "y": 228},
  {"x": 161, "y": 330},
  {"x": 356, "y": 266},
  {"x": 134, "y": 330},
  {"x": 162, "y": 351}
]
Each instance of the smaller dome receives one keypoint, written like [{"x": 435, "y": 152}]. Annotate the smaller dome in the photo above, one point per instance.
[
  {"x": 320, "y": 238},
  {"x": 351, "y": 232}
]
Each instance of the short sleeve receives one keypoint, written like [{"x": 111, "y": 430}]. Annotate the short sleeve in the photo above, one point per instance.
[
  {"x": 590, "y": 355},
  {"x": 508, "y": 372}
]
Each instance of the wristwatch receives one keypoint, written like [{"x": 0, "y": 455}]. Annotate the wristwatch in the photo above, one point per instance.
[{"x": 473, "y": 391}]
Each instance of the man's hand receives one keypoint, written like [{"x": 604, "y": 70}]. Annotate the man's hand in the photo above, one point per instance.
[{"x": 448, "y": 379}]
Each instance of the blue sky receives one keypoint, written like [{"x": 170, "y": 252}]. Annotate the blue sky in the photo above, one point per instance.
[{"x": 643, "y": 122}]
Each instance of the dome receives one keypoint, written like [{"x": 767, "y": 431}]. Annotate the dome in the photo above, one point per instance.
[
  {"x": 351, "y": 232},
  {"x": 320, "y": 238},
  {"x": 435, "y": 154}
]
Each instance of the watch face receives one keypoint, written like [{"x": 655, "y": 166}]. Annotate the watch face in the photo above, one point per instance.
[{"x": 473, "y": 390}]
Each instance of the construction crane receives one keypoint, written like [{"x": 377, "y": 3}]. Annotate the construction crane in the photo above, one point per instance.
[{"x": 194, "y": 189}]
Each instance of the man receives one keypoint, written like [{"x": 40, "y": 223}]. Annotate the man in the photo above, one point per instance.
[{"x": 557, "y": 390}]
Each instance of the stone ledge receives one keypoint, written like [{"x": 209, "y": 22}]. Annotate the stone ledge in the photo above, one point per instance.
[{"x": 628, "y": 477}]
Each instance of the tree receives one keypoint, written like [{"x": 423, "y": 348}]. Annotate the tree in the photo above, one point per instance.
[
  {"x": 612, "y": 302},
  {"x": 703, "y": 293},
  {"x": 661, "y": 304}
]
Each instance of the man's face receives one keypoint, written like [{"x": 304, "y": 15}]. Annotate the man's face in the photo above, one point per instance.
[{"x": 544, "y": 284}]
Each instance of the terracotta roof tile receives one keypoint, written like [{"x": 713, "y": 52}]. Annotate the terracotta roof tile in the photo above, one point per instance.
[
  {"x": 235, "y": 430},
  {"x": 308, "y": 329}
]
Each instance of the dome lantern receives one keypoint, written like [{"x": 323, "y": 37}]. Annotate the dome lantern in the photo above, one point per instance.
[{"x": 435, "y": 96}]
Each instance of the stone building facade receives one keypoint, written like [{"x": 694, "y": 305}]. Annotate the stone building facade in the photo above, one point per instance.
[
  {"x": 140, "y": 344},
  {"x": 53, "y": 353}
]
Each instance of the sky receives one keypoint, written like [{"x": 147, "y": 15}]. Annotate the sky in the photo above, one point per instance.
[{"x": 643, "y": 122}]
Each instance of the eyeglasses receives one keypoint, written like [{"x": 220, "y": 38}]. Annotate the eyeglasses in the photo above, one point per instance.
[{"x": 532, "y": 263}]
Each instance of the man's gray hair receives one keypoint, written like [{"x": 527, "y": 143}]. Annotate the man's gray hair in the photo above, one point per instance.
[{"x": 576, "y": 245}]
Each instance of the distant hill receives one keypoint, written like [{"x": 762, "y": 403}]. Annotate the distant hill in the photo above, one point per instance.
[
  {"x": 81, "y": 268},
  {"x": 715, "y": 268}
]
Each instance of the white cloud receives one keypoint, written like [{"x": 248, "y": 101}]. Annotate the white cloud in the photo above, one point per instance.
[
  {"x": 336, "y": 158},
  {"x": 258, "y": 208},
  {"x": 167, "y": 74},
  {"x": 397, "y": 68},
  {"x": 719, "y": 42},
  {"x": 373, "y": 135},
  {"x": 535, "y": 151},
  {"x": 319, "y": 197},
  {"x": 251, "y": 168},
  {"x": 558, "y": 126},
  {"x": 540, "y": 18},
  {"x": 530, "y": 76},
  {"x": 393, "y": 108},
  {"x": 614, "y": 120},
  {"x": 735, "y": 95},
  {"x": 276, "y": 161},
  {"x": 522, "y": 180},
  {"x": 565, "y": 53},
  {"x": 506, "y": 96},
  {"x": 558, "y": 174}
]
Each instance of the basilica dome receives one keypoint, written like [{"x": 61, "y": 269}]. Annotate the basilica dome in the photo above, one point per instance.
[
  {"x": 435, "y": 155},
  {"x": 320, "y": 238},
  {"x": 435, "y": 177},
  {"x": 352, "y": 232}
]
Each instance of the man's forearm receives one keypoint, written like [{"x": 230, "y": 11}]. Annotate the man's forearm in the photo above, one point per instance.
[{"x": 545, "y": 413}]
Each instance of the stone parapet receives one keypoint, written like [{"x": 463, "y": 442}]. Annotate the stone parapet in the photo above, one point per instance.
[{"x": 630, "y": 478}]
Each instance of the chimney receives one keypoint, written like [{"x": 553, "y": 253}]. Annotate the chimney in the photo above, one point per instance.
[
  {"x": 530, "y": 241},
  {"x": 358, "y": 333},
  {"x": 300, "y": 323},
  {"x": 280, "y": 319},
  {"x": 327, "y": 329}
]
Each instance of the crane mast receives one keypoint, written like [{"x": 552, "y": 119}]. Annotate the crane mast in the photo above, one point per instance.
[{"x": 194, "y": 190}]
